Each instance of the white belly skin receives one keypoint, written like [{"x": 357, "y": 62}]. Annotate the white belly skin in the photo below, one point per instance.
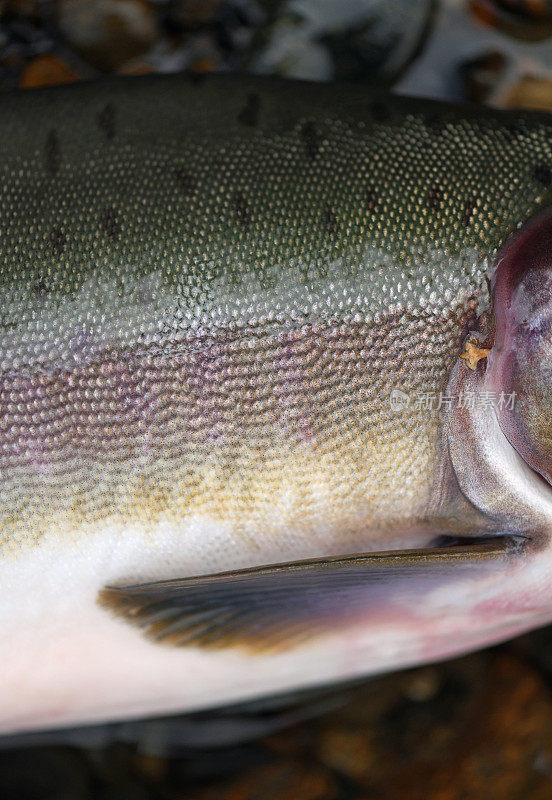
[{"x": 66, "y": 661}]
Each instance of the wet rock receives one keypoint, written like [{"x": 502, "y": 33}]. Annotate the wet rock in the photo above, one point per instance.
[
  {"x": 520, "y": 19},
  {"x": 107, "y": 33},
  {"x": 527, "y": 91},
  {"x": 355, "y": 40},
  {"x": 195, "y": 13},
  {"x": 47, "y": 70},
  {"x": 480, "y": 76}
]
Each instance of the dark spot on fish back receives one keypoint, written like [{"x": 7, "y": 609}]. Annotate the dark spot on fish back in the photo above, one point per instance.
[
  {"x": 435, "y": 197},
  {"x": 329, "y": 220},
  {"x": 57, "y": 241},
  {"x": 40, "y": 288},
  {"x": 543, "y": 174},
  {"x": 110, "y": 223},
  {"x": 52, "y": 153},
  {"x": 242, "y": 210},
  {"x": 249, "y": 115},
  {"x": 371, "y": 199},
  {"x": 469, "y": 210},
  {"x": 310, "y": 138},
  {"x": 106, "y": 121},
  {"x": 185, "y": 181}
]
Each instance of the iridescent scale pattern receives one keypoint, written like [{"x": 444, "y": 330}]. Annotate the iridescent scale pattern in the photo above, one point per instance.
[{"x": 211, "y": 288}]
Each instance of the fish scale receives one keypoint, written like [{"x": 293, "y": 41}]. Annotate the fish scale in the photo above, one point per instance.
[
  {"x": 211, "y": 290},
  {"x": 167, "y": 235}
]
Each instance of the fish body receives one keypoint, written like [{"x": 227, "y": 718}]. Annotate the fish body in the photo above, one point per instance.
[{"x": 232, "y": 315}]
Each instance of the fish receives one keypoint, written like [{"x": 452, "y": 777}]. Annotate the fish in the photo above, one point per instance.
[{"x": 275, "y": 378}]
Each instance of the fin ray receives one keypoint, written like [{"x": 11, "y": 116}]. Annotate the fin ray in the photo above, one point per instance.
[{"x": 272, "y": 607}]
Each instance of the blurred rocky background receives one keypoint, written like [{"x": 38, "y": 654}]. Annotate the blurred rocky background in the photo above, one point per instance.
[
  {"x": 492, "y": 51},
  {"x": 477, "y": 727}
]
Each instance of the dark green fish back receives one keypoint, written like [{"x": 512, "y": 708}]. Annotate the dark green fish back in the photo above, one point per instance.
[{"x": 247, "y": 176}]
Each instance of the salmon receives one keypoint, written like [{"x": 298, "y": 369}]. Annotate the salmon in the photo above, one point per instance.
[{"x": 275, "y": 370}]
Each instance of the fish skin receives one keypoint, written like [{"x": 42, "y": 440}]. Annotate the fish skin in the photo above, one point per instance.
[
  {"x": 325, "y": 242},
  {"x": 204, "y": 316}
]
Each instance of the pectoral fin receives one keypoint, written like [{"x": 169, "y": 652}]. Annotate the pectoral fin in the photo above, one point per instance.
[{"x": 275, "y": 607}]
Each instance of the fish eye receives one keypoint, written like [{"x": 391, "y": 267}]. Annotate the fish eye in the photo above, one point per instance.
[{"x": 520, "y": 362}]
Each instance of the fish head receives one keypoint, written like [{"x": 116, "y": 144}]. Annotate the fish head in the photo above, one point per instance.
[{"x": 520, "y": 362}]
